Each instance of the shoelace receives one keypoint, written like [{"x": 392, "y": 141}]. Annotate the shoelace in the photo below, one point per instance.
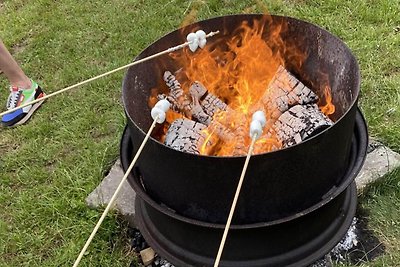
[{"x": 13, "y": 100}]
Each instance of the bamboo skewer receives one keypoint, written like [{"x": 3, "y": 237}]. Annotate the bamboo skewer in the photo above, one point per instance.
[
  {"x": 258, "y": 122},
  {"x": 158, "y": 113},
  {"x": 235, "y": 199},
  {"x": 96, "y": 228},
  {"x": 169, "y": 50}
]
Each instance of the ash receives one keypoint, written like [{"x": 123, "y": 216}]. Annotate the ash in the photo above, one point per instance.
[
  {"x": 348, "y": 242},
  {"x": 338, "y": 253},
  {"x": 160, "y": 262}
]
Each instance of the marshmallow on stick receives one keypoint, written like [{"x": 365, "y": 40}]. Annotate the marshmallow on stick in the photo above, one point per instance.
[
  {"x": 158, "y": 115},
  {"x": 257, "y": 124},
  {"x": 158, "y": 112},
  {"x": 256, "y": 128},
  {"x": 197, "y": 39}
]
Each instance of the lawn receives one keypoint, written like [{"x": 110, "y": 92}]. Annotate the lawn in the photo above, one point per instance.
[{"x": 50, "y": 165}]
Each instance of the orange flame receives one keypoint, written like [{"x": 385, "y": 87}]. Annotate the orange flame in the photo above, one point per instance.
[
  {"x": 238, "y": 71},
  {"x": 328, "y": 108}
]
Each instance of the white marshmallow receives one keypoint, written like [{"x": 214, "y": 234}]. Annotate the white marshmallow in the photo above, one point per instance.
[
  {"x": 202, "y": 43},
  {"x": 191, "y": 37},
  {"x": 260, "y": 116},
  {"x": 196, "y": 40},
  {"x": 163, "y": 104},
  {"x": 201, "y": 35},
  {"x": 159, "y": 114},
  {"x": 193, "y": 46},
  {"x": 255, "y": 129},
  {"x": 193, "y": 40}
]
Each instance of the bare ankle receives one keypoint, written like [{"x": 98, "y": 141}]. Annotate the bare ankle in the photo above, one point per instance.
[{"x": 23, "y": 84}]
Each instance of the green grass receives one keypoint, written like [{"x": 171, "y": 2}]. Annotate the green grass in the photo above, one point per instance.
[{"x": 50, "y": 165}]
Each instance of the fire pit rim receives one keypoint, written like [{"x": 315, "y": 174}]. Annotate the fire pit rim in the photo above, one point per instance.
[{"x": 193, "y": 25}]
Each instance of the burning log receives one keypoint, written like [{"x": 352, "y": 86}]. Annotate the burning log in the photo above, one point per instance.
[
  {"x": 288, "y": 104},
  {"x": 241, "y": 134},
  {"x": 177, "y": 97},
  {"x": 181, "y": 102},
  {"x": 299, "y": 123},
  {"x": 211, "y": 105},
  {"x": 185, "y": 135},
  {"x": 284, "y": 91},
  {"x": 209, "y": 102},
  {"x": 202, "y": 108},
  {"x": 223, "y": 133}
]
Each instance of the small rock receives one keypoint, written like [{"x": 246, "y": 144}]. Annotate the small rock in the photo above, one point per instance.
[{"x": 148, "y": 256}]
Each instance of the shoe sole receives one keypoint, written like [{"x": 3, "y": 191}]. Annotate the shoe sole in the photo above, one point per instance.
[{"x": 29, "y": 114}]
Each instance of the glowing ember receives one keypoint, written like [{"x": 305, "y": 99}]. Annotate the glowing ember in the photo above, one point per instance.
[{"x": 239, "y": 72}]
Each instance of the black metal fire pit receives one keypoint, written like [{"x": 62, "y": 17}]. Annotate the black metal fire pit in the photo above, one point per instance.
[
  {"x": 298, "y": 240},
  {"x": 279, "y": 184}
]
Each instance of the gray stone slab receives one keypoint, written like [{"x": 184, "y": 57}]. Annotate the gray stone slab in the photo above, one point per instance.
[
  {"x": 125, "y": 201},
  {"x": 380, "y": 161}
]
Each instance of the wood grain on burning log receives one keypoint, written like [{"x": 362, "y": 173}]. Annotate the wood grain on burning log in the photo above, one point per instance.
[
  {"x": 188, "y": 136},
  {"x": 212, "y": 105},
  {"x": 283, "y": 92},
  {"x": 202, "y": 107},
  {"x": 189, "y": 105},
  {"x": 299, "y": 123},
  {"x": 185, "y": 135},
  {"x": 180, "y": 102},
  {"x": 209, "y": 102},
  {"x": 223, "y": 132}
]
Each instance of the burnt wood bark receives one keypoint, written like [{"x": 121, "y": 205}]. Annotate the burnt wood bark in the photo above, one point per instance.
[
  {"x": 299, "y": 123},
  {"x": 200, "y": 106},
  {"x": 209, "y": 102},
  {"x": 185, "y": 135},
  {"x": 283, "y": 92},
  {"x": 180, "y": 102}
]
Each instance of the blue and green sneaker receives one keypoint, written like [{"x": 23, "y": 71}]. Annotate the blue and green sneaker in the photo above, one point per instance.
[{"x": 18, "y": 97}]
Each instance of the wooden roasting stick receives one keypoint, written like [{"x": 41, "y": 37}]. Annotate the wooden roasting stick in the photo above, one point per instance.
[
  {"x": 193, "y": 43},
  {"x": 158, "y": 114},
  {"x": 256, "y": 129}
]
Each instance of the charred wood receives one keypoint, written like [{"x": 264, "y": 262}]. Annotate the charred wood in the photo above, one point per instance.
[
  {"x": 209, "y": 102},
  {"x": 189, "y": 105},
  {"x": 224, "y": 133},
  {"x": 185, "y": 135},
  {"x": 241, "y": 135},
  {"x": 283, "y": 92},
  {"x": 180, "y": 102},
  {"x": 299, "y": 123}
]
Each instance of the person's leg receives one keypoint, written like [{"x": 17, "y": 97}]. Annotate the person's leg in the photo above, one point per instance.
[
  {"x": 12, "y": 70},
  {"x": 22, "y": 90}
]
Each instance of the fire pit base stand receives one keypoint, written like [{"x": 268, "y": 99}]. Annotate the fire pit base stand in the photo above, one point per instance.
[{"x": 300, "y": 242}]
